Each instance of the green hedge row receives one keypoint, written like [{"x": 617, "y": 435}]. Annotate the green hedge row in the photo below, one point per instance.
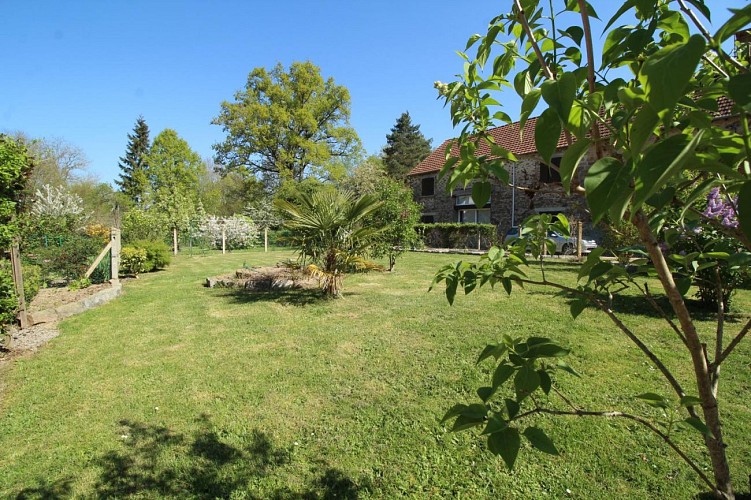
[{"x": 457, "y": 235}]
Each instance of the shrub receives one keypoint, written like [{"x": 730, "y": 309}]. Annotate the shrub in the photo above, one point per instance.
[
  {"x": 79, "y": 284},
  {"x": 98, "y": 231},
  {"x": 138, "y": 224},
  {"x": 158, "y": 254},
  {"x": 132, "y": 260},
  {"x": 457, "y": 235},
  {"x": 8, "y": 299}
]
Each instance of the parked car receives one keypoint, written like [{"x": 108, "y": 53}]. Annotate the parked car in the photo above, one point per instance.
[{"x": 563, "y": 245}]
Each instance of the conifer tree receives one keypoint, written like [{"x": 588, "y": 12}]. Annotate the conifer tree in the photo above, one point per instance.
[
  {"x": 134, "y": 179},
  {"x": 405, "y": 147}
]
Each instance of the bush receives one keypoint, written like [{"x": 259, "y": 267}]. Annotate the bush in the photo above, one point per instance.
[
  {"x": 158, "y": 254},
  {"x": 138, "y": 224},
  {"x": 457, "y": 235},
  {"x": 132, "y": 260},
  {"x": 8, "y": 299},
  {"x": 66, "y": 257}
]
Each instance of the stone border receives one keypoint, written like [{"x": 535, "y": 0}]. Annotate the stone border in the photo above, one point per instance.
[{"x": 66, "y": 310}]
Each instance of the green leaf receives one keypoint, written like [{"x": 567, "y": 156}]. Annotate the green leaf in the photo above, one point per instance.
[
  {"x": 653, "y": 399},
  {"x": 546, "y": 350},
  {"x": 523, "y": 83},
  {"x": 506, "y": 282},
  {"x": 683, "y": 284},
  {"x": 739, "y": 20},
  {"x": 526, "y": 381},
  {"x": 744, "y": 208},
  {"x": 739, "y": 259},
  {"x": 529, "y": 103},
  {"x": 570, "y": 161},
  {"x": 628, "y": 4},
  {"x": 472, "y": 41},
  {"x": 690, "y": 401},
  {"x": 495, "y": 424},
  {"x": 576, "y": 33},
  {"x": 545, "y": 383},
  {"x": 538, "y": 439},
  {"x": 700, "y": 426},
  {"x": 505, "y": 443},
  {"x": 606, "y": 179},
  {"x": 665, "y": 74},
  {"x": 592, "y": 260},
  {"x": 660, "y": 163},
  {"x": 454, "y": 411},
  {"x": 739, "y": 88},
  {"x": 463, "y": 422},
  {"x": 559, "y": 94},
  {"x": 495, "y": 350},
  {"x": 577, "y": 306},
  {"x": 481, "y": 193},
  {"x": 485, "y": 393},
  {"x": 502, "y": 374},
  {"x": 547, "y": 133},
  {"x": 567, "y": 368},
  {"x": 512, "y": 407}
]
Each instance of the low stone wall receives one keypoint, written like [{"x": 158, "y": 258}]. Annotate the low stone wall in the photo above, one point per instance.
[{"x": 64, "y": 311}]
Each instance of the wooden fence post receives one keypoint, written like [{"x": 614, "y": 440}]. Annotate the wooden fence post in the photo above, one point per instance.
[
  {"x": 115, "y": 255},
  {"x": 15, "y": 259},
  {"x": 580, "y": 232}
]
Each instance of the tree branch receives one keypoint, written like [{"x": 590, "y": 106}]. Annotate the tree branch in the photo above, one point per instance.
[
  {"x": 733, "y": 343},
  {"x": 590, "y": 72},
  {"x": 523, "y": 19},
  {"x": 618, "y": 414},
  {"x": 661, "y": 312},
  {"x": 621, "y": 326},
  {"x": 692, "y": 16}
]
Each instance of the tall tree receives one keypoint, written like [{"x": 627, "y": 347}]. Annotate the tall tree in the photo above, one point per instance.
[
  {"x": 173, "y": 174},
  {"x": 405, "y": 147},
  {"x": 286, "y": 124},
  {"x": 134, "y": 179}
]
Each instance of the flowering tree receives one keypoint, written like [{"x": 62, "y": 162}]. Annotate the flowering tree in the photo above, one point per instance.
[
  {"x": 239, "y": 231},
  {"x": 663, "y": 152}
]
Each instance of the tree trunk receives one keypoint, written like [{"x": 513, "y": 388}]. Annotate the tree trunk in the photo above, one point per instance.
[
  {"x": 710, "y": 409},
  {"x": 174, "y": 240},
  {"x": 265, "y": 239}
]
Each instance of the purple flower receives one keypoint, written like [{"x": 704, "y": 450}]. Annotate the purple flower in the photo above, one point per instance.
[{"x": 718, "y": 208}]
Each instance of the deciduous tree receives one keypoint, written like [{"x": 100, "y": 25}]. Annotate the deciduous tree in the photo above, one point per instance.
[
  {"x": 662, "y": 155},
  {"x": 285, "y": 123}
]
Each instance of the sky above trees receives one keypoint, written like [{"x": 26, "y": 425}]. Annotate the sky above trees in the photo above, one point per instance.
[{"x": 84, "y": 71}]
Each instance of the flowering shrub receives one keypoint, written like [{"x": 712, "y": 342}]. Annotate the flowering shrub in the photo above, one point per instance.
[
  {"x": 239, "y": 232},
  {"x": 55, "y": 201},
  {"x": 705, "y": 239}
]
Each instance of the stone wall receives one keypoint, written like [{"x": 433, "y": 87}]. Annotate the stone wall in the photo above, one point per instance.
[{"x": 531, "y": 196}]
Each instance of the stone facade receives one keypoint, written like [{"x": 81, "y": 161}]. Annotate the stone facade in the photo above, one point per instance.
[{"x": 534, "y": 194}]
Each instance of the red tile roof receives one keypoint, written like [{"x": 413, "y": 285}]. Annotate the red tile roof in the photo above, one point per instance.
[{"x": 506, "y": 136}]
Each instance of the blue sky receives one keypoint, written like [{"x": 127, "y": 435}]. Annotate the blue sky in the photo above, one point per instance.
[{"x": 84, "y": 70}]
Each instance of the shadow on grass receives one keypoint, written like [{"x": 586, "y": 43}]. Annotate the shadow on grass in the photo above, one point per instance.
[
  {"x": 296, "y": 297},
  {"x": 155, "y": 461}
]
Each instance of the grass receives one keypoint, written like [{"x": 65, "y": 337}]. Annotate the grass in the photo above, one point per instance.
[{"x": 182, "y": 391}]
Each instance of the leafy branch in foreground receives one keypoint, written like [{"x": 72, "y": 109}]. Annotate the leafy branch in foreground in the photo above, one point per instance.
[{"x": 647, "y": 149}]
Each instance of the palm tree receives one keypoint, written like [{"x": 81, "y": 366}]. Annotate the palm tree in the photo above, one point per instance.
[{"x": 327, "y": 228}]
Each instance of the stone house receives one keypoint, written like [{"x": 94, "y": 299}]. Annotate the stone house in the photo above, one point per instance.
[{"x": 536, "y": 188}]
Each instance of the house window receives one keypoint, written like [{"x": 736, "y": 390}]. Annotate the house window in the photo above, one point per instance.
[
  {"x": 427, "y": 218},
  {"x": 466, "y": 200},
  {"x": 481, "y": 216},
  {"x": 548, "y": 174},
  {"x": 428, "y": 186}
]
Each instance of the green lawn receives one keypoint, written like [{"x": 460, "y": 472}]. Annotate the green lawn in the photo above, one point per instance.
[{"x": 178, "y": 390}]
